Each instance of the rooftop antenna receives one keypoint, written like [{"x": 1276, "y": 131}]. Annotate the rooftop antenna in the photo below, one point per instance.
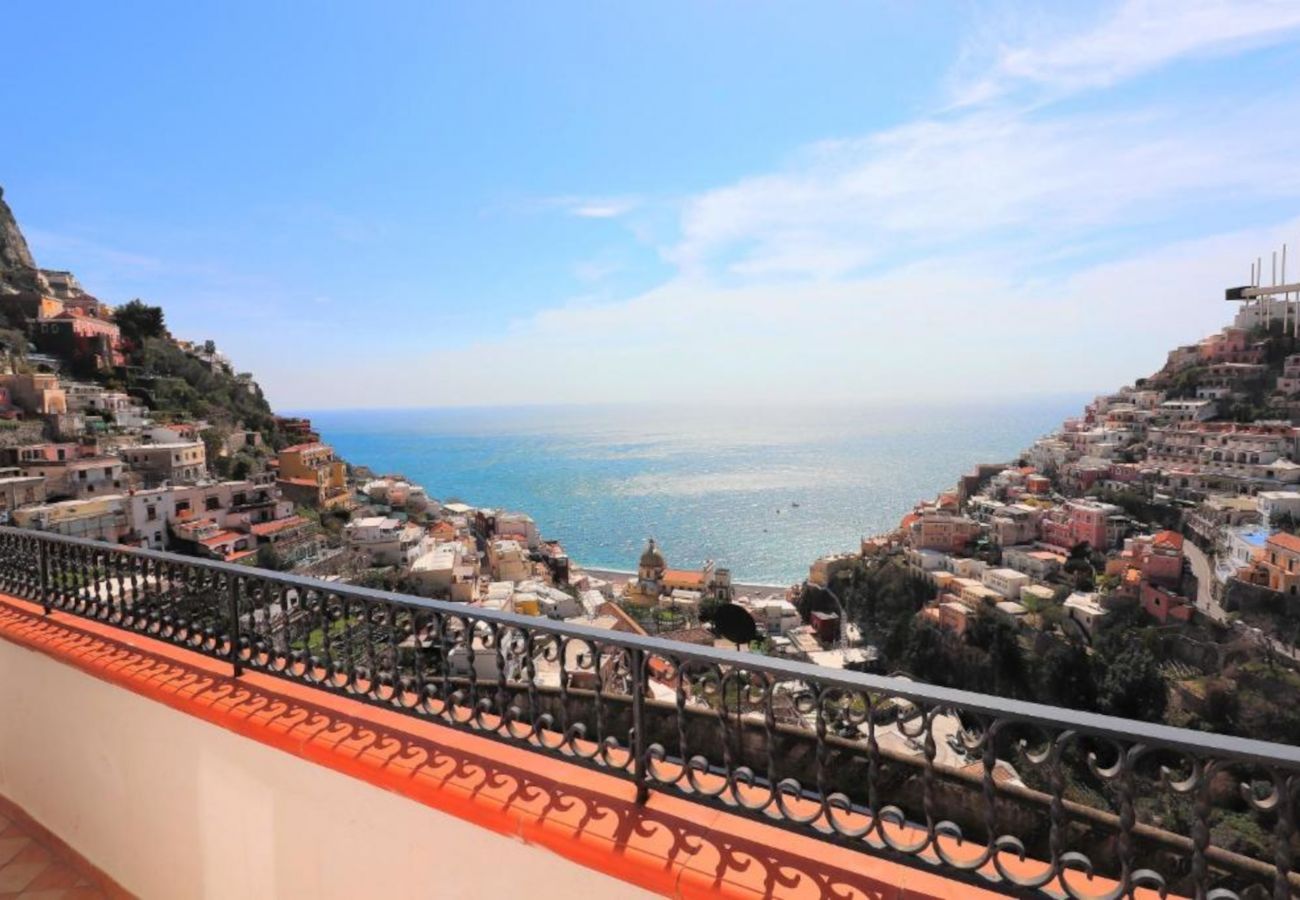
[
  {"x": 1272, "y": 301},
  {"x": 1286, "y": 298},
  {"x": 1259, "y": 301}
]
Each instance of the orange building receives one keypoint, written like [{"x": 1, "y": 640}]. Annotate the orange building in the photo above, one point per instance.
[
  {"x": 1280, "y": 560},
  {"x": 309, "y": 474}
]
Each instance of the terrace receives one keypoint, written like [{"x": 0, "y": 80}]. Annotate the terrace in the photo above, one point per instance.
[{"x": 237, "y": 722}]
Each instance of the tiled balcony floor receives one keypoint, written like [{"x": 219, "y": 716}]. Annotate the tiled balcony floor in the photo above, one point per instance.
[{"x": 33, "y": 871}]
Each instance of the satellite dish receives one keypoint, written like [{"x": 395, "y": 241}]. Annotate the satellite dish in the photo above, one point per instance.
[{"x": 734, "y": 623}]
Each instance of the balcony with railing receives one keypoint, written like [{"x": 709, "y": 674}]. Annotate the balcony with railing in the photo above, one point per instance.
[{"x": 638, "y": 763}]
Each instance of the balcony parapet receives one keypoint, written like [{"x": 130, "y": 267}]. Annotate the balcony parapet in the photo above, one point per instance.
[{"x": 977, "y": 790}]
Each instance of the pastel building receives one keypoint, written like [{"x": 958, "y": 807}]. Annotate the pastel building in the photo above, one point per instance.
[
  {"x": 1280, "y": 562},
  {"x": 1084, "y": 521},
  {"x": 1034, "y": 561},
  {"x": 37, "y": 393},
  {"x": 1006, "y": 582},
  {"x": 74, "y": 334},
  {"x": 101, "y": 518},
  {"x": 19, "y": 490},
  {"x": 944, "y": 532},
  {"x": 309, "y": 474},
  {"x": 825, "y": 568},
  {"x": 508, "y": 560},
  {"x": 433, "y": 570},
  {"x": 78, "y": 476},
  {"x": 385, "y": 541},
  {"x": 1274, "y": 505},
  {"x": 1231, "y": 345},
  {"x": 1086, "y": 610},
  {"x": 178, "y": 462}
]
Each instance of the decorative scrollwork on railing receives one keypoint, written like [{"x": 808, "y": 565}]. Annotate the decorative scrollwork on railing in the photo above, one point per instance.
[{"x": 1015, "y": 795}]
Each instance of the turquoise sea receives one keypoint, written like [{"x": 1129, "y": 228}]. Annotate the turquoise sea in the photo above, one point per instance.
[{"x": 718, "y": 484}]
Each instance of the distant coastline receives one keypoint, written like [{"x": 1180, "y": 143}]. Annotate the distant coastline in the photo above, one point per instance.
[
  {"x": 618, "y": 576},
  {"x": 760, "y": 495}
]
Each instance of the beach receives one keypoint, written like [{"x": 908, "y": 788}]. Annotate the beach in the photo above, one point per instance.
[
  {"x": 619, "y": 578},
  {"x": 762, "y": 495}
]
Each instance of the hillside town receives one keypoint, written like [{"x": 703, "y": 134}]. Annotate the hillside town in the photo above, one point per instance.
[
  {"x": 1161, "y": 495},
  {"x": 1176, "y": 498},
  {"x": 1142, "y": 560}
]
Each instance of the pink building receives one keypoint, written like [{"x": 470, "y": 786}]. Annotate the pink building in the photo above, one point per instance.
[
  {"x": 948, "y": 614},
  {"x": 1083, "y": 522},
  {"x": 1125, "y": 472},
  {"x": 1230, "y": 345},
  {"x": 1163, "y": 562},
  {"x": 1090, "y": 522},
  {"x": 74, "y": 333},
  {"x": 1164, "y": 605}
]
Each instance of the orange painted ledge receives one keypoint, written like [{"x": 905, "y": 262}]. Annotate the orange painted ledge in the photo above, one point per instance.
[{"x": 669, "y": 845}]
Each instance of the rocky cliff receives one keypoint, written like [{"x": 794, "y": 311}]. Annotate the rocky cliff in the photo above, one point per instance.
[{"x": 18, "y": 270}]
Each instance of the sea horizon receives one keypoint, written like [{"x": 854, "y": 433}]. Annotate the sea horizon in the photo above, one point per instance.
[{"x": 763, "y": 495}]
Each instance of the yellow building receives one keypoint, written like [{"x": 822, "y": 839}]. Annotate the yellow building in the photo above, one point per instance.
[
  {"x": 309, "y": 474},
  {"x": 38, "y": 393}
]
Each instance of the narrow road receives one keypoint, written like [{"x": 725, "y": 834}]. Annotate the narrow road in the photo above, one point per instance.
[{"x": 1203, "y": 570}]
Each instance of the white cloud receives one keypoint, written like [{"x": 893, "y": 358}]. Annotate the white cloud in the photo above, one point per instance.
[
  {"x": 599, "y": 210},
  {"x": 986, "y": 251},
  {"x": 947, "y": 328},
  {"x": 594, "y": 207},
  {"x": 931, "y": 185},
  {"x": 1137, "y": 37}
]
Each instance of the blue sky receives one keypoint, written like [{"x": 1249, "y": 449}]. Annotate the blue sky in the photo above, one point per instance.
[{"x": 425, "y": 204}]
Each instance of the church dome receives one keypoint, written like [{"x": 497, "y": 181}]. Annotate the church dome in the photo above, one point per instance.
[{"x": 652, "y": 558}]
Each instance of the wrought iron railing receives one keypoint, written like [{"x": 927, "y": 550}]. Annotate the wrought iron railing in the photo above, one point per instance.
[{"x": 1023, "y": 797}]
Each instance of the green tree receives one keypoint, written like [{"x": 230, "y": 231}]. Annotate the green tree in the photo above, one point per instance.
[
  {"x": 1222, "y": 707},
  {"x": 999, "y": 640},
  {"x": 1131, "y": 685},
  {"x": 269, "y": 558},
  {"x": 138, "y": 320},
  {"x": 924, "y": 656},
  {"x": 1064, "y": 676},
  {"x": 241, "y": 468}
]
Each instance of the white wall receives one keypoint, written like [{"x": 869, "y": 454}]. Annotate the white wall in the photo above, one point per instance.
[{"x": 172, "y": 806}]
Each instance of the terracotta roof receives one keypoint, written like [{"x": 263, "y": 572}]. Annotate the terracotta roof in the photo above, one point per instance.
[
  {"x": 1171, "y": 539},
  {"x": 685, "y": 576},
  {"x": 221, "y": 537},
  {"x": 262, "y": 529},
  {"x": 1284, "y": 541}
]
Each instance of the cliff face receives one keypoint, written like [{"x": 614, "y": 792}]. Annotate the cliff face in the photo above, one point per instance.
[{"x": 18, "y": 270}]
